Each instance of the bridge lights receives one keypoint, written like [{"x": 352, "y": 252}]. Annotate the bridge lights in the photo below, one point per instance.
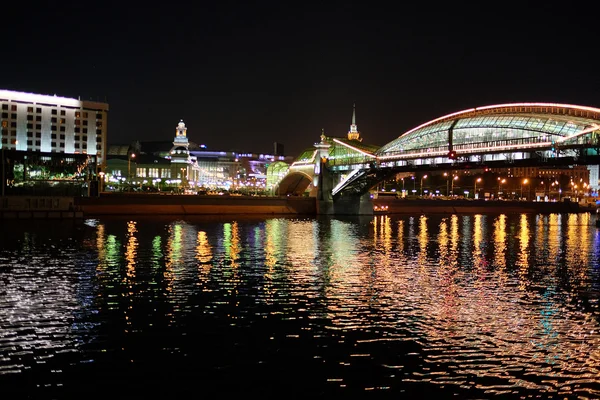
[{"x": 452, "y": 155}]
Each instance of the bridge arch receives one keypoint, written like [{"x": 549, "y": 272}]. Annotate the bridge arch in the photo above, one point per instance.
[{"x": 295, "y": 183}]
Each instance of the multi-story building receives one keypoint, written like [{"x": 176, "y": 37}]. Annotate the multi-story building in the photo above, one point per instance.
[
  {"x": 53, "y": 124},
  {"x": 50, "y": 144}
]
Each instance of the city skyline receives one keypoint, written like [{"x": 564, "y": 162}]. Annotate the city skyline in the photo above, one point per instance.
[{"x": 245, "y": 76}]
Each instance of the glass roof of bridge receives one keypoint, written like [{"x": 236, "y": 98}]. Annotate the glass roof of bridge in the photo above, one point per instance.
[
  {"x": 493, "y": 123},
  {"x": 351, "y": 145}
]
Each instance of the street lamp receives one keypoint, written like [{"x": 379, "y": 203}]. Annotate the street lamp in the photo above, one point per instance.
[
  {"x": 447, "y": 184},
  {"x": 475, "y": 189},
  {"x": 132, "y": 155},
  {"x": 101, "y": 183},
  {"x": 501, "y": 181},
  {"x": 454, "y": 178},
  {"x": 524, "y": 183},
  {"x": 423, "y": 177}
]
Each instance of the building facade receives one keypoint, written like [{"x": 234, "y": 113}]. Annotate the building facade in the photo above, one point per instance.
[{"x": 53, "y": 124}]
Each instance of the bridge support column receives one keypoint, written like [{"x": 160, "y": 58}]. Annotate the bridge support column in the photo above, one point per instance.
[
  {"x": 354, "y": 205},
  {"x": 325, "y": 186}
]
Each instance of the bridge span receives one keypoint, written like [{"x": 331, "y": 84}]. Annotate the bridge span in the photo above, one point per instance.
[{"x": 341, "y": 171}]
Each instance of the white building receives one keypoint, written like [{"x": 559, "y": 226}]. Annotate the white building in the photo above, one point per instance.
[{"x": 52, "y": 124}]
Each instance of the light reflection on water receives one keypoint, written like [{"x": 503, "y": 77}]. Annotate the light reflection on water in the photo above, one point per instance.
[{"x": 476, "y": 305}]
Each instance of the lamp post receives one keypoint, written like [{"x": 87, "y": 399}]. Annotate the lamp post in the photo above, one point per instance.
[
  {"x": 475, "y": 194},
  {"x": 101, "y": 188},
  {"x": 132, "y": 155},
  {"x": 523, "y": 183},
  {"x": 454, "y": 178},
  {"x": 447, "y": 184},
  {"x": 500, "y": 182},
  {"x": 423, "y": 177}
]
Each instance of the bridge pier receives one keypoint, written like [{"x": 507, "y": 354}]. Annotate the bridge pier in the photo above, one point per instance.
[
  {"x": 346, "y": 204},
  {"x": 353, "y": 205}
]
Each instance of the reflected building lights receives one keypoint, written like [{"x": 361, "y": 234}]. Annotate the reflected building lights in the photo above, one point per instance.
[
  {"x": 500, "y": 242},
  {"x": 522, "y": 261},
  {"x": 131, "y": 249}
]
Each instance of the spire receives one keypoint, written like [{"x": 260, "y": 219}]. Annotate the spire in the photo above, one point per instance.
[{"x": 353, "y": 133}]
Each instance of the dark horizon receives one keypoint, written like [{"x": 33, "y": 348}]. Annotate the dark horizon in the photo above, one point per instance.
[{"x": 243, "y": 76}]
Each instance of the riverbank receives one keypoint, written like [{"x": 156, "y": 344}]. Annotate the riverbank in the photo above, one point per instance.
[
  {"x": 158, "y": 204},
  {"x": 464, "y": 206}
]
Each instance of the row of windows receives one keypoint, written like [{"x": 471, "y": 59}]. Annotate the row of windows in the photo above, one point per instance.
[
  {"x": 150, "y": 173},
  {"x": 53, "y": 120},
  {"x": 38, "y": 127},
  {"x": 54, "y": 111},
  {"x": 12, "y": 132},
  {"x": 30, "y": 143}
]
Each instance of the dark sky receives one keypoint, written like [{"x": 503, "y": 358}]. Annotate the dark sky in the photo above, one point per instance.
[{"x": 243, "y": 75}]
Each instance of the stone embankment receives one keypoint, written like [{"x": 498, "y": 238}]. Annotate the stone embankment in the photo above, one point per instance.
[
  {"x": 167, "y": 204},
  {"x": 463, "y": 206}
]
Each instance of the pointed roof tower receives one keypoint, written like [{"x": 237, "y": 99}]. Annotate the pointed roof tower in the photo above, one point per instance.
[
  {"x": 179, "y": 151},
  {"x": 353, "y": 133}
]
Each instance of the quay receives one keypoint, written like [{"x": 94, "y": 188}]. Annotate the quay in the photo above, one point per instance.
[
  {"x": 467, "y": 206},
  {"x": 20, "y": 207},
  {"x": 181, "y": 204}
]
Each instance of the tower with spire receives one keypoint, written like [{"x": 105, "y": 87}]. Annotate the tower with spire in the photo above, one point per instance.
[
  {"x": 179, "y": 151},
  {"x": 353, "y": 133}
]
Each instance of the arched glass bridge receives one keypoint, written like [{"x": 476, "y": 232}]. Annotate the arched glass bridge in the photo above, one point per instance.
[{"x": 518, "y": 134}]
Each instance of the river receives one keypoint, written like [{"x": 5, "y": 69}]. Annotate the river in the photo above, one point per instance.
[{"x": 448, "y": 306}]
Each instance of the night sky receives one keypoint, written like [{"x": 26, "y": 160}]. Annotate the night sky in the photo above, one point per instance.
[{"x": 244, "y": 75}]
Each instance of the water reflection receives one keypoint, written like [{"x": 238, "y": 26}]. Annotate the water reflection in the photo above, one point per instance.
[{"x": 488, "y": 304}]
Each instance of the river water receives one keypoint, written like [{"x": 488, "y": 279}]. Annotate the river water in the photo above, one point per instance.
[{"x": 451, "y": 306}]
